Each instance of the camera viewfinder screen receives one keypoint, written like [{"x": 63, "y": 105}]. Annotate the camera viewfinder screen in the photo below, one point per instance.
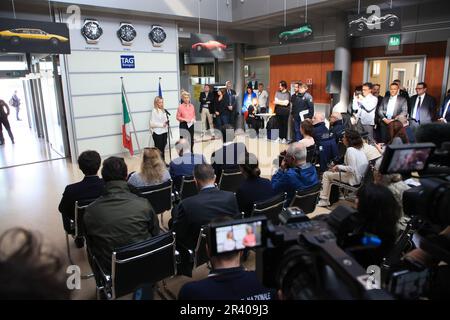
[
  {"x": 238, "y": 237},
  {"x": 408, "y": 160}
]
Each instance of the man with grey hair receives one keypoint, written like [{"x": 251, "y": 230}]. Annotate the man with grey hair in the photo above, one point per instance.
[
  {"x": 184, "y": 164},
  {"x": 295, "y": 173},
  {"x": 320, "y": 129},
  {"x": 336, "y": 126}
]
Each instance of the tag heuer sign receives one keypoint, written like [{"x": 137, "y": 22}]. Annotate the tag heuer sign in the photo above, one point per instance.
[
  {"x": 127, "y": 62},
  {"x": 394, "y": 40}
]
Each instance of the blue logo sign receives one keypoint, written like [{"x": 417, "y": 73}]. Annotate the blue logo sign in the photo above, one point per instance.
[{"x": 127, "y": 62}]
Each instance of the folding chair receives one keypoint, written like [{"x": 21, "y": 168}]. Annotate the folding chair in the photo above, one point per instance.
[
  {"x": 271, "y": 208},
  {"x": 349, "y": 189},
  {"x": 146, "y": 262},
  {"x": 188, "y": 187},
  {"x": 230, "y": 180},
  {"x": 306, "y": 199}
]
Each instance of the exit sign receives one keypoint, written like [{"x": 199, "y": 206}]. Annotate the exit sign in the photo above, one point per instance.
[{"x": 394, "y": 40}]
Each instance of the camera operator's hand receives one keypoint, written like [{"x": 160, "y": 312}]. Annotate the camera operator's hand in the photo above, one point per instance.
[{"x": 420, "y": 256}]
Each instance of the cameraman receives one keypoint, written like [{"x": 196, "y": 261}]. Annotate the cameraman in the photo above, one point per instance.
[{"x": 228, "y": 280}]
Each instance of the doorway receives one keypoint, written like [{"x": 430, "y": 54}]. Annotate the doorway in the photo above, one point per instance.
[
  {"x": 38, "y": 124},
  {"x": 383, "y": 71}
]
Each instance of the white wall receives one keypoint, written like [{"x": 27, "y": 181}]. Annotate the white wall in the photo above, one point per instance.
[{"x": 94, "y": 84}]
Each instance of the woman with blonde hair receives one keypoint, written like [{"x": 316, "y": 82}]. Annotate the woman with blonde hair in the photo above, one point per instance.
[
  {"x": 186, "y": 117},
  {"x": 159, "y": 124},
  {"x": 153, "y": 170}
]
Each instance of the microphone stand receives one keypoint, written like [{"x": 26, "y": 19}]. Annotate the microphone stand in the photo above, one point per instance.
[{"x": 169, "y": 134}]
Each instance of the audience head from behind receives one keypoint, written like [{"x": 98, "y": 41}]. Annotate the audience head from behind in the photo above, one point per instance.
[
  {"x": 182, "y": 146},
  {"x": 228, "y": 133},
  {"x": 249, "y": 166},
  {"x": 318, "y": 118},
  {"x": 152, "y": 165},
  {"x": 114, "y": 168},
  {"x": 335, "y": 116},
  {"x": 89, "y": 162},
  {"x": 29, "y": 269},
  {"x": 295, "y": 155},
  {"x": 204, "y": 175},
  {"x": 307, "y": 128},
  {"x": 352, "y": 138}
]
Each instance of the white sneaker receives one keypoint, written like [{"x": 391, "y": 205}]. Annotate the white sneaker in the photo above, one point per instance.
[
  {"x": 283, "y": 141},
  {"x": 323, "y": 203},
  {"x": 277, "y": 140}
]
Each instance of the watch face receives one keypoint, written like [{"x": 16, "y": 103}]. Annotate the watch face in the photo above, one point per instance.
[
  {"x": 92, "y": 30},
  {"x": 127, "y": 33},
  {"x": 157, "y": 35}
]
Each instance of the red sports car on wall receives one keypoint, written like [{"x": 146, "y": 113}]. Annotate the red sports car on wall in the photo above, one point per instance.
[{"x": 209, "y": 45}]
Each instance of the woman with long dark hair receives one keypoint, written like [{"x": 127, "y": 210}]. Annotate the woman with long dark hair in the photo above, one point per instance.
[
  {"x": 397, "y": 133},
  {"x": 282, "y": 109}
]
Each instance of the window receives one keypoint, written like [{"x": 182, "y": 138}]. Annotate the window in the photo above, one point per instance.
[{"x": 376, "y": 68}]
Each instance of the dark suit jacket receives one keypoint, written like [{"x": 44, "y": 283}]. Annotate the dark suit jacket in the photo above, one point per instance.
[
  {"x": 230, "y": 101},
  {"x": 89, "y": 188},
  {"x": 441, "y": 111},
  {"x": 429, "y": 103},
  {"x": 227, "y": 158},
  {"x": 207, "y": 99},
  {"x": 401, "y": 106},
  {"x": 194, "y": 212}
]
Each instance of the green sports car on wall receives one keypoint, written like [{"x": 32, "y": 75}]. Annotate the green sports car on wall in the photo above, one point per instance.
[{"x": 297, "y": 33}]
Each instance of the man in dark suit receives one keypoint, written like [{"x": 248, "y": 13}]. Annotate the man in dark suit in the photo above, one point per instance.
[
  {"x": 444, "y": 112},
  {"x": 226, "y": 158},
  {"x": 207, "y": 108},
  {"x": 91, "y": 187},
  {"x": 194, "y": 212},
  {"x": 391, "y": 107},
  {"x": 229, "y": 114},
  {"x": 4, "y": 122},
  {"x": 423, "y": 107}
]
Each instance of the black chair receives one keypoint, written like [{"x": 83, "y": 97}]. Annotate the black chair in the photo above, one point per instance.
[
  {"x": 311, "y": 154},
  {"x": 351, "y": 189},
  {"x": 231, "y": 180},
  {"x": 306, "y": 199},
  {"x": 271, "y": 208},
  {"x": 77, "y": 226},
  {"x": 188, "y": 187},
  {"x": 146, "y": 262},
  {"x": 200, "y": 254},
  {"x": 160, "y": 197}
]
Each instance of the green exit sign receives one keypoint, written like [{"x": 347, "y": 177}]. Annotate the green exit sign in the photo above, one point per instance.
[{"x": 394, "y": 40}]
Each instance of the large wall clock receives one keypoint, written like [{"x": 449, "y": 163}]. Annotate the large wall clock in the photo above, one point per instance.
[
  {"x": 91, "y": 31},
  {"x": 157, "y": 35},
  {"x": 126, "y": 33}
]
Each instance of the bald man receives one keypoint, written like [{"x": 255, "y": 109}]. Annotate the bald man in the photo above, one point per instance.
[{"x": 320, "y": 129}]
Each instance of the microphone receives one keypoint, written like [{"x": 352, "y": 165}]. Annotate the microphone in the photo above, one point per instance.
[{"x": 167, "y": 112}]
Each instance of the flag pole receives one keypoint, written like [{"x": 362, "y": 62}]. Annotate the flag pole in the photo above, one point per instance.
[{"x": 130, "y": 115}]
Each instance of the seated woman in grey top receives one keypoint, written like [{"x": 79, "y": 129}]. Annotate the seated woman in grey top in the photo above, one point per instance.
[{"x": 153, "y": 170}]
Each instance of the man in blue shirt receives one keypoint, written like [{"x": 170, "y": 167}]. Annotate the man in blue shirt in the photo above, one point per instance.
[
  {"x": 184, "y": 165},
  {"x": 295, "y": 173}
]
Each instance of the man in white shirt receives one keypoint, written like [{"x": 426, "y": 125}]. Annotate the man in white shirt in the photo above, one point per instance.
[
  {"x": 263, "y": 97},
  {"x": 391, "y": 107},
  {"x": 365, "y": 106}
]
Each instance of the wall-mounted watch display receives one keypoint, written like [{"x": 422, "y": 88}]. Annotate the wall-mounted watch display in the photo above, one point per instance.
[
  {"x": 157, "y": 35},
  {"x": 126, "y": 33},
  {"x": 91, "y": 31}
]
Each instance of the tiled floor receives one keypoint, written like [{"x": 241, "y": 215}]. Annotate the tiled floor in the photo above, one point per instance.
[{"x": 30, "y": 194}]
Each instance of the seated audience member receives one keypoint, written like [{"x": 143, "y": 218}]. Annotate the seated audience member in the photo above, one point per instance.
[
  {"x": 228, "y": 280},
  {"x": 337, "y": 127},
  {"x": 409, "y": 133},
  {"x": 253, "y": 121},
  {"x": 378, "y": 214},
  {"x": 307, "y": 131},
  {"x": 397, "y": 133},
  {"x": 226, "y": 158},
  {"x": 395, "y": 184},
  {"x": 29, "y": 270},
  {"x": 118, "y": 217},
  {"x": 371, "y": 151},
  {"x": 91, "y": 187},
  {"x": 153, "y": 170},
  {"x": 196, "y": 211},
  {"x": 295, "y": 173},
  {"x": 254, "y": 188},
  {"x": 353, "y": 169},
  {"x": 320, "y": 129},
  {"x": 184, "y": 165}
]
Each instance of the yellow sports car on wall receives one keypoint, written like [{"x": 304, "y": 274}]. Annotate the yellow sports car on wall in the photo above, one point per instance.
[{"x": 31, "y": 34}]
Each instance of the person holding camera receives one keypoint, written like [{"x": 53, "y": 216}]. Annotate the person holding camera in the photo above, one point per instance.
[
  {"x": 365, "y": 105},
  {"x": 295, "y": 173},
  {"x": 228, "y": 280},
  {"x": 351, "y": 172}
]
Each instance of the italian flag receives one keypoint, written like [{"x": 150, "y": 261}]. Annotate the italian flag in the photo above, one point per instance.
[{"x": 126, "y": 133}]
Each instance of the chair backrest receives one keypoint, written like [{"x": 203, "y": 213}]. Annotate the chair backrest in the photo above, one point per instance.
[
  {"x": 311, "y": 154},
  {"x": 159, "y": 196},
  {"x": 145, "y": 262},
  {"x": 188, "y": 187},
  {"x": 231, "y": 180},
  {"x": 271, "y": 208},
  {"x": 80, "y": 207},
  {"x": 200, "y": 254},
  {"x": 306, "y": 199}
]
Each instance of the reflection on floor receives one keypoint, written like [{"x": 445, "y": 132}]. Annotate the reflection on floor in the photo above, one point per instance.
[
  {"x": 29, "y": 197},
  {"x": 27, "y": 148}
]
